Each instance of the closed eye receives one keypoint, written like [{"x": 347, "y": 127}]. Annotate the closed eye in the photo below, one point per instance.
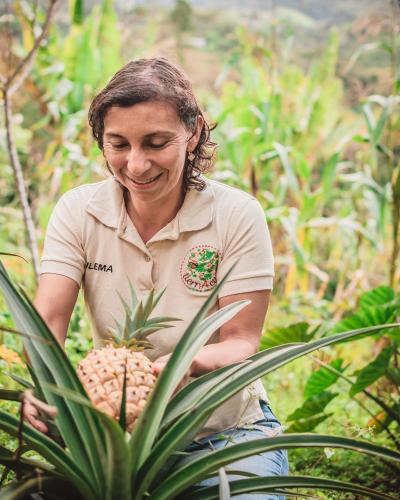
[
  {"x": 158, "y": 146},
  {"x": 119, "y": 146}
]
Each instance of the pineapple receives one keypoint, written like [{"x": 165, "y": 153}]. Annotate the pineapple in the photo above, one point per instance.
[{"x": 102, "y": 371}]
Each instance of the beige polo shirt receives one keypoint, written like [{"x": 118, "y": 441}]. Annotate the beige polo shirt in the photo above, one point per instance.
[{"x": 91, "y": 239}]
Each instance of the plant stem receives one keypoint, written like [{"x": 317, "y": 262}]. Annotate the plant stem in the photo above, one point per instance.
[
  {"x": 8, "y": 86},
  {"x": 20, "y": 184}
]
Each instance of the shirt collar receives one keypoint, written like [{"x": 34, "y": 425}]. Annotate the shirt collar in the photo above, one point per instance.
[{"x": 107, "y": 205}]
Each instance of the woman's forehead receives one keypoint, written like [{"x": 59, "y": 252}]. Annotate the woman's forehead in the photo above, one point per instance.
[{"x": 148, "y": 117}]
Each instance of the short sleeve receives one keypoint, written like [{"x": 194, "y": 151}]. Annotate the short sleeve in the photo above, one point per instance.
[
  {"x": 248, "y": 244},
  {"x": 63, "y": 251}
]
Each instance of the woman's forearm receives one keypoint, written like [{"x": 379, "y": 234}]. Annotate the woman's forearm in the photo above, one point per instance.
[{"x": 214, "y": 356}]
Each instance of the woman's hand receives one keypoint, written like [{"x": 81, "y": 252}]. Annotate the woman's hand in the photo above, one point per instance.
[
  {"x": 31, "y": 407},
  {"x": 159, "y": 365}
]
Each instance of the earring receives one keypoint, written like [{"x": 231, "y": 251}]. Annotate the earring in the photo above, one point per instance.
[{"x": 191, "y": 156}]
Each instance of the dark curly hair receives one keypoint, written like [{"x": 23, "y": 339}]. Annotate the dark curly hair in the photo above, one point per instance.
[{"x": 157, "y": 79}]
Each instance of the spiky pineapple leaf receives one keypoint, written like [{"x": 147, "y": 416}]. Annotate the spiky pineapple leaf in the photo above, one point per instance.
[
  {"x": 283, "y": 485},
  {"x": 122, "y": 409},
  {"x": 20, "y": 380},
  {"x": 194, "y": 471},
  {"x": 10, "y": 394},
  {"x": 52, "y": 487},
  {"x": 195, "y": 336},
  {"x": 21, "y": 464},
  {"x": 117, "y": 454},
  {"x": 199, "y": 387},
  {"x": 224, "y": 492},
  {"x": 190, "y": 423},
  {"x": 81, "y": 431},
  {"x": 48, "y": 449}
]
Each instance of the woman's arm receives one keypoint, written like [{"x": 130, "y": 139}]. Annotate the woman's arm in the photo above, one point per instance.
[
  {"x": 239, "y": 337},
  {"x": 55, "y": 300}
]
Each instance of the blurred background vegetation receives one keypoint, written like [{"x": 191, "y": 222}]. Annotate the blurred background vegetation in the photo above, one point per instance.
[{"x": 306, "y": 95}]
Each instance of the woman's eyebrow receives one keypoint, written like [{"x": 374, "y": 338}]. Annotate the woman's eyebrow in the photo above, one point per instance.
[{"x": 147, "y": 136}]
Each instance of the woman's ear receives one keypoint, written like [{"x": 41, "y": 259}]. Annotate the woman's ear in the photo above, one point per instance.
[{"x": 194, "y": 140}]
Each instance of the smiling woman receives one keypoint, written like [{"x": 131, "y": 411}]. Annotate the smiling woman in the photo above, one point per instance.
[
  {"x": 145, "y": 147},
  {"x": 157, "y": 223}
]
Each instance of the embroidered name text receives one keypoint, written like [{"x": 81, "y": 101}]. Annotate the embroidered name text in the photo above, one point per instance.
[{"x": 99, "y": 267}]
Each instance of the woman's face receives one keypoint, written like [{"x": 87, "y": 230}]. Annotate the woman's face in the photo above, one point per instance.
[{"x": 146, "y": 146}]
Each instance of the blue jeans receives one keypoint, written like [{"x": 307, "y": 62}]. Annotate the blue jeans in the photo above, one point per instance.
[{"x": 271, "y": 463}]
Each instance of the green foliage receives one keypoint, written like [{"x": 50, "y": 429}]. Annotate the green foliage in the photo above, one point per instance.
[
  {"x": 298, "y": 332},
  {"x": 373, "y": 371},
  {"x": 380, "y": 303},
  {"x": 322, "y": 379},
  {"x": 134, "y": 463}
]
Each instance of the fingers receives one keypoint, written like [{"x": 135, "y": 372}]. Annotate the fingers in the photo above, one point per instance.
[
  {"x": 31, "y": 415},
  {"x": 32, "y": 406}
]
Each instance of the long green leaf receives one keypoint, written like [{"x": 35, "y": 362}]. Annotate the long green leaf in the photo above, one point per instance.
[
  {"x": 81, "y": 432},
  {"x": 50, "y": 450},
  {"x": 117, "y": 455},
  {"x": 22, "y": 465},
  {"x": 50, "y": 486},
  {"x": 10, "y": 395},
  {"x": 173, "y": 439},
  {"x": 177, "y": 436},
  {"x": 187, "y": 397},
  {"x": 199, "y": 387},
  {"x": 270, "y": 485},
  {"x": 195, "y": 470}
]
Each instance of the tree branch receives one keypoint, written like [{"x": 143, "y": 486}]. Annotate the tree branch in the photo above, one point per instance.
[{"x": 20, "y": 184}]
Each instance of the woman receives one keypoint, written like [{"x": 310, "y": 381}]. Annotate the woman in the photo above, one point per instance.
[{"x": 158, "y": 223}]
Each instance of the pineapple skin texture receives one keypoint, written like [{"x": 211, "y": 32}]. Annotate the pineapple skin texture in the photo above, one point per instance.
[{"x": 102, "y": 376}]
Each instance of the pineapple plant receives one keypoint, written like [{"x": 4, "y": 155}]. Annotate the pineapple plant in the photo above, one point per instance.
[
  {"x": 96, "y": 459},
  {"x": 121, "y": 365}
]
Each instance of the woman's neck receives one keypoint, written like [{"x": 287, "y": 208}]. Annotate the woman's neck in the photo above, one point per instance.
[{"x": 149, "y": 218}]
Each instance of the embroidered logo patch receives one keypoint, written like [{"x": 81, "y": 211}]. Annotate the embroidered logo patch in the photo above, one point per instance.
[{"x": 199, "y": 268}]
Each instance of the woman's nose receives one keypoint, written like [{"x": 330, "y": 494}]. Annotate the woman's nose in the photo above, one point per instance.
[{"x": 138, "y": 163}]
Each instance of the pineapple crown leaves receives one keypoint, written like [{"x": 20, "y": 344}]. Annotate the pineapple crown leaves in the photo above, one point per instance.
[{"x": 137, "y": 325}]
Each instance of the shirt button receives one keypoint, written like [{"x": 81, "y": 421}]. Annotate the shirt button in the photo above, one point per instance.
[{"x": 147, "y": 258}]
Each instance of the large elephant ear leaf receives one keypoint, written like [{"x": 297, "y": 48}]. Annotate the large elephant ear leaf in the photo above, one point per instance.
[
  {"x": 373, "y": 371},
  {"x": 298, "y": 332},
  {"x": 379, "y": 296},
  {"x": 366, "y": 317},
  {"x": 322, "y": 379}
]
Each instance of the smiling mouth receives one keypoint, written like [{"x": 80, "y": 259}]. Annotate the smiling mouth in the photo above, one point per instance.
[{"x": 147, "y": 181}]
